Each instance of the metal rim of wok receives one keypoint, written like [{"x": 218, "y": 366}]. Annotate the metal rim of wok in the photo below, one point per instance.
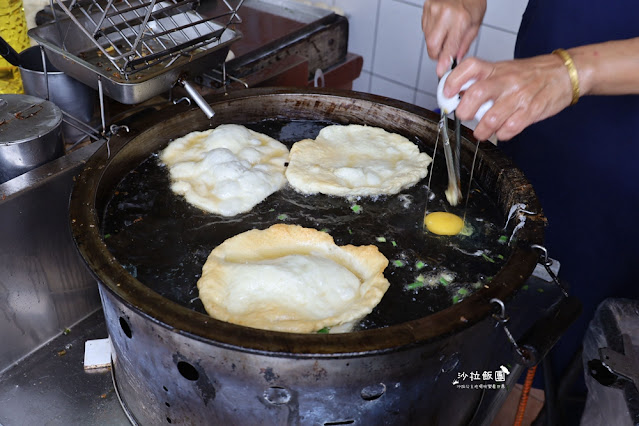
[{"x": 102, "y": 173}]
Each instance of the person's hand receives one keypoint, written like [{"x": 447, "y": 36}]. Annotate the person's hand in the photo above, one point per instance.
[
  {"x": 524, "y": 91},
  {"x": 450, "y": 26}
]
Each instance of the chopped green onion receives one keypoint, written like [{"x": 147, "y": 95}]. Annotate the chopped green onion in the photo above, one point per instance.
[
  {"x": 541, "y": 290},
  {"x": 462, "y": 292},
  {"x": 283, "y": 216},
  {"x": 491, "y": 260},
  {"x": 324, "y": 230},
  {"x": 443, "y": 281},
  {"x": 356, "y": 208},
  {"x": 489, "y": 279},
  {"x": 477, "y": 285},
  {"x": 325, "y": 330},
  {"x": 500, "y": 257},
  {"x": 503, "y": 239},
  {"x": 415, "y": 285},
  {"x": 524, "y": 287},
  {"x": 419, "y": 278},
  {"x": 107, "y": 236},
  {"x": 419, "y": 264},
  {"x": 350, "y": 232},
  {"x": 394, "y": 243},
  {"x": 398, "y": 263},
  {"x": 381, "y": 239},
  {"x": 66, "y": 332},
  {"x": 271, "y": 210},
  {"x": 456, "y": 299}
]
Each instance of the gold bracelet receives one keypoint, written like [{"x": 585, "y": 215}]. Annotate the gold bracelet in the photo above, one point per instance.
[{"x": 572, "y": 73}]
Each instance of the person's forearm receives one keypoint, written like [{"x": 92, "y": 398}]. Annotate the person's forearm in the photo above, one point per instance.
[{"x": 610, "y": 68}]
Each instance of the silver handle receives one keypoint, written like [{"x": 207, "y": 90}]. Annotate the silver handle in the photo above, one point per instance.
[{"x": 199, "y": 100}]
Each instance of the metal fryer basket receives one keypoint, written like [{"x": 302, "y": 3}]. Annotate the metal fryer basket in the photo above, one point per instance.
[{"x": 136, "y": 49}]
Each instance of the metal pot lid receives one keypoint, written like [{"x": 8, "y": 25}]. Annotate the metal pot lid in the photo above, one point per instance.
[{"x": 24, "y": 118}]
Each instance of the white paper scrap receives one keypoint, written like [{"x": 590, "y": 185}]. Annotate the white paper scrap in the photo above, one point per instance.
[{"x": 97, "y": 354}]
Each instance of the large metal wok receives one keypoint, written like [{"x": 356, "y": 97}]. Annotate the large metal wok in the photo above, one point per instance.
[{"x": 177, "y": 365}]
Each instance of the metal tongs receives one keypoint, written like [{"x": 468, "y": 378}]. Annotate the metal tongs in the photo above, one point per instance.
[
  {"x": 448, "y": 105},
  {"x": 452, "y": 154},
  {"x": 453, "y": 193}
]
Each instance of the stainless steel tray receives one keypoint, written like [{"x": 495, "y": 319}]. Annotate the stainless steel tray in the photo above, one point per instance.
[{"x": 73, "y": 52}]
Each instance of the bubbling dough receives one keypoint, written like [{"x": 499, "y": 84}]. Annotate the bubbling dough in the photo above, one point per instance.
[
  {"x": 293, "y": 279},
  {"x": 355, "y": 160},
  {"x": 226, "y": 170}
]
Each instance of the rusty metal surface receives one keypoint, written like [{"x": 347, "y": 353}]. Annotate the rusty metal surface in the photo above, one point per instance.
[{"x": 323, "y": 43}]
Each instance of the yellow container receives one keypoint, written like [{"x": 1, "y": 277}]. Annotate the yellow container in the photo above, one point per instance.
[{"x": 13, "y": 28}]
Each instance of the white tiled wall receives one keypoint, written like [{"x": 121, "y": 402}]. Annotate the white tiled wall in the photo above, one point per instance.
[{"x": 388, "y": 34}]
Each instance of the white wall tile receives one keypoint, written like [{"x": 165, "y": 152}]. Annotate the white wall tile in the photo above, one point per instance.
[
  {"x": 472, "y": 50},
  {"x": 426, "y": 100},
  {"x": 384, "y": 87},
  {"x": 399, "y": 42},
  {"x": 505, "y": 14},
  {"x": 388, "y": 35},
  {"x": 495, "y": 45},
  {"x": 362, "y": 20},
  {"x": 419, "y": 3},
  {"x": 428, "y": 79},
  {"x": 363, "y": 82},
  {"x": 427, "y": 74}
]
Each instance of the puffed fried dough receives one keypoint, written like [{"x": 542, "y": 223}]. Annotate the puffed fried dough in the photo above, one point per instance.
[
  {"x": 217, "y": 283},
  {"x": 355, "y": 160}
]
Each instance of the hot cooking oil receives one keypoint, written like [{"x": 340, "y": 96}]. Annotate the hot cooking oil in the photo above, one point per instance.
[{"x": 13, "y": 28}]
